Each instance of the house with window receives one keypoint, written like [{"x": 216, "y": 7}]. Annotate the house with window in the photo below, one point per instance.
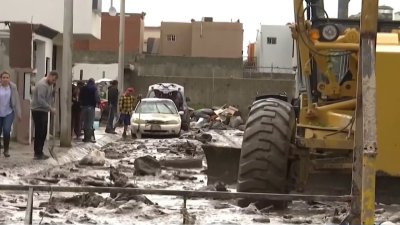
[
  {"x": 109, "y": 43},
  {"x": 275, "y": 49},
  {"x": 31, "y": 45},
  {"x": 204, "y": 38}
]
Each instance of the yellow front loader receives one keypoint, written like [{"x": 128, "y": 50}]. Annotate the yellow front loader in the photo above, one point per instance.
[{"x": 347, "y": 110}]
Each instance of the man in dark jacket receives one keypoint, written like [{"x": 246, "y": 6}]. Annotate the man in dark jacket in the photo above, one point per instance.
[
  {"x": 113, "y": 94},
  {"x": 89, "y": 99}
]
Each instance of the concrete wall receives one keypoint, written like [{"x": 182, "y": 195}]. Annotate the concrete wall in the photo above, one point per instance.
[
  {"x": 150, "y": 65},
  {"x": 182, "y": 44},
  {"x": 87, "y": 23},
  {"x": 217, "y": 39},
  {"x": 279, "y": 55},
  {"x": 207, "y": 92}
]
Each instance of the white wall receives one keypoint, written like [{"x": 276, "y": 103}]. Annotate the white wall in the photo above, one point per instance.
[
  {"x": 95, "y": 71},
  {"x": 274, "y": 55},
  {"x": 44, "y": 49},
  {"x": 396, "y": 16},
  {"x": 150, "y": 33},
  {"x": 51, "y": 13}
]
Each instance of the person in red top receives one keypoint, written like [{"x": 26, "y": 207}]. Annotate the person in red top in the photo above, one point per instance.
[{"x": 126, "y": 107}]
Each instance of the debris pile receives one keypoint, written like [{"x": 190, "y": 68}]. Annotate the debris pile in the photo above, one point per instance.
[
  {"x": 94, "y": 158},
  {"x": 147, "y": 165},
  {"x": 223, "y": 118}
]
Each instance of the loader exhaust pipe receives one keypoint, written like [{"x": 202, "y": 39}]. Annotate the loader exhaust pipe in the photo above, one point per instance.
[{"x": 343, "y": 9}]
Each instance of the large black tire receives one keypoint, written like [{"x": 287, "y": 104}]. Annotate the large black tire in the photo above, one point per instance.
[{"x": 264, "y": 157}]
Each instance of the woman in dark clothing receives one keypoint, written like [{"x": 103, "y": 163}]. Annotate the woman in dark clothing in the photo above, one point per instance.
[{"x": 76, "y": 112}]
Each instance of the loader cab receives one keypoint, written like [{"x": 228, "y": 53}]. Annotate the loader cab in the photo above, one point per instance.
[{"x": 332, "y": 19}]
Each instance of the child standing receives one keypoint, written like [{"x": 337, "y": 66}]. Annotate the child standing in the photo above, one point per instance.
[{"x": 126, "y": 107}]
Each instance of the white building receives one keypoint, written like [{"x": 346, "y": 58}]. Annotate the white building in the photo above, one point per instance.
[
  {"x": 275, "y": 49},
  {"x": 95, "y": 71},
  {"x": 87, "y": 15},
  {"x": 42, "y": 45},
  {"x": 87, "y": 24},
  {"x": 396, "y": 16}
]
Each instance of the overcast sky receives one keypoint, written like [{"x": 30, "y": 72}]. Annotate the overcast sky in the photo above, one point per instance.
[{"x": 251, "y": 13}]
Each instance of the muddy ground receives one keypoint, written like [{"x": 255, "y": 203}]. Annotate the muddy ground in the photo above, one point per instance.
[{"x": 119, "y": 170}]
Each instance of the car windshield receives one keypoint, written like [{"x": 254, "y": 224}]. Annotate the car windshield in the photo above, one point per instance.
[
  {"x": 175, "y": 96},
  {"x": 160, "y": 107}
]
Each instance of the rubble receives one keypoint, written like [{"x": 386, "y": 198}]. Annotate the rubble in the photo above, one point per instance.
[
  {"x": 251, "y": 209},
  {"x": 235, "y": 122},
  {"x": 141, "y": 146},
  {"x": 182, "y": 163},
  {"x": 203, "y": 137},
  {"x": 299, "y": 220},
  {"x": 147, "y": 165},
  {"x": 113, "y": 154},
  {"x": 218, "y": 118},
  {"x": 172, "y": 156},
  {"x": 203, "y": 113},
  {"x": 261, "y": 220},
  {"x": 218, "y": 125},
  {"x": 94, "y": 158},
  {"x": 220, "y": 186},
  {"x": 395, "y": 218},
  {"x": 83, "y": 200},
  {"x": 187, "y": 147},
  {"x": 86, "y": 219},
  {"x": 46, "y": 214},
  {"x": 387, "y": 223},
  {"x": 182, "y": 176},
  {"x": 380, "y": 211}
]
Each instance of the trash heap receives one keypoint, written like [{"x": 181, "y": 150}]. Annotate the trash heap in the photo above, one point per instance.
[{"x": 217, "y": 118}]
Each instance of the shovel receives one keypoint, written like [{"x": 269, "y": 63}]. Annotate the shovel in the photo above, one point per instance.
[
  {"x": 53, "y": 142},
  {"x": 53, "y": 139}
]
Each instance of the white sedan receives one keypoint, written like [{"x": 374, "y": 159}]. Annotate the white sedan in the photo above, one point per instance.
[{"x": 156, "y": 116}]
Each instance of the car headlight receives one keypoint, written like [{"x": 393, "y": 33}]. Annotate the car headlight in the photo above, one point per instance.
[
  {"x": 172, "y": 122},
  {"x": 138, "y": 121}
]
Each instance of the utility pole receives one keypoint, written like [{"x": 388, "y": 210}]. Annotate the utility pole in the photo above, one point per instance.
[
  {"x": 121, "y": 56},
  {"x": 66, "y": 77}
]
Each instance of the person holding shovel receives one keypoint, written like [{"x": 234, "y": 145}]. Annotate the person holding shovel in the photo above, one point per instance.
[
  {"x": 9, "y": 108},
  {"x": 41, "y": 105}
]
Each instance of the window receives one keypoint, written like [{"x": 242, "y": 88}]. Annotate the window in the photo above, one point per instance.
[
  {"x": 156, "y": 107},
  {"x": 271, "y": 40},
  {"x": 171, "y": 37}
]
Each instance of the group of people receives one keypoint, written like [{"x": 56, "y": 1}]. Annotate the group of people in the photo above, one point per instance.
[
  {"x": 85, "y": 98},
  {"x": 41, "y": 105},
  {"x": 124, "y": 103},
  {"x": 84, "y": 101}
]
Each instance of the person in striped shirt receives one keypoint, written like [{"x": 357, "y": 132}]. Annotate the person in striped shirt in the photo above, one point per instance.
[{"x": 126, "y": 107}]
